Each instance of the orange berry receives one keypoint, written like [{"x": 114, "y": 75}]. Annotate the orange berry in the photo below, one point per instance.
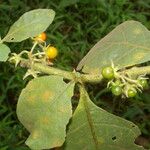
[{"x": 41, "y": 37}]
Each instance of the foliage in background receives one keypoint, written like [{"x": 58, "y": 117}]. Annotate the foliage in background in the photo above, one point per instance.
[{"x": 77, "y": 27}]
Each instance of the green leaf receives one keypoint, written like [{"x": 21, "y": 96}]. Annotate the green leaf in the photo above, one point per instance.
[
  {"x": 44, "y": 108},
  {"x": 4, "y": 51},
  {"x": 92, "y": 128},
  {"x": 127, "y": 45},
  {"x": 30, "y": 24}
]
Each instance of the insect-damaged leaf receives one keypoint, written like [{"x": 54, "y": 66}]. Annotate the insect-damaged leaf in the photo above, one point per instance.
[
  {"x": 30, "y": 24},
  {"x": 92, "y": 128},
  {"x": 128, "y": 44},
  {"x": 44, "y": 108}
]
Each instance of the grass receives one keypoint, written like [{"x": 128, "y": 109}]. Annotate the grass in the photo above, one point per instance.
[{"x": 78, "y": 25}]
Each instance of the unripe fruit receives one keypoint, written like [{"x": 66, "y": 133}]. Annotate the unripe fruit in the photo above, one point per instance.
[
  {"x": 116, "y": 90},
  {"x": 131, "y": 93},
  {"x": 108, "y": 73},
  {"x": 143, "y": 83}
]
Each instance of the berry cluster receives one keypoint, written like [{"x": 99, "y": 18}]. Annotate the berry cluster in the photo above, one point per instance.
[
  {"x": 49, "y": 51},
  {"x": 123, "y": 84},
  {"x": 44, "y": 54}
]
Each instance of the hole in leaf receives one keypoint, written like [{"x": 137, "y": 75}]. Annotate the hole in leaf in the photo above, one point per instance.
[
  {"x": 114, "y": 138},
  {"x": 66, "y": 81},
  {"x": 133, "y": 126},
  {"x": 12, "y": 38},
  {"x": 75, "y": 98}
]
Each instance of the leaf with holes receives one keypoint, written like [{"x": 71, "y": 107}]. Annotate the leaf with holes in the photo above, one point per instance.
[
  {"x": 92, "y": 128},
  {"x": 44, "y": 108},
  {"x": 4, "y": 51},
  {"x": 128, "y": 44},
  {"x": 30, "y": 24}
]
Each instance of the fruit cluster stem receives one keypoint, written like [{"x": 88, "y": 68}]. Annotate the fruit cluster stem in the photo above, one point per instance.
[{"x": 135, "y": 71}]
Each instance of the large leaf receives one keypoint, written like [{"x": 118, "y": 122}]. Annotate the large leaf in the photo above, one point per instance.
[
  {"x": 128, "y": 44},
  {"x": 92, "y": 128},
  {"x": 4, "y": 51},
  {"x": 44, "y": 108},
  {"x": 30, "y": 24}
]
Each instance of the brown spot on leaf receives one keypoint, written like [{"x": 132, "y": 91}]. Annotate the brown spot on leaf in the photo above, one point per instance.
[
  {"x": 35, "y": 134},
  {"x": 139, "y": 56},
  {"x": 57, "y": 142},
  {"x": 45, "y": 120},
  {"x": 47, "y": 95},
  {"x": 62, "y": 109},
  {"x": 137, "y": 31}
]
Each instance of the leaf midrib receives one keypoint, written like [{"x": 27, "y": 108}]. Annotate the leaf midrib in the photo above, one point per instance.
[
  {"x": 56, "y": 99},
  {"x": 89, "y": 118}
]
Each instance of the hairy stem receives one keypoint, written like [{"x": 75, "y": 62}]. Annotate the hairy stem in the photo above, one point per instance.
[{"x": 135, "y": 71}]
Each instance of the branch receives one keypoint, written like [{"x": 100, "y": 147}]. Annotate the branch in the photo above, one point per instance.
[
  {"x": 47, "y": 69},
  {"x": 76, "y": 76}
]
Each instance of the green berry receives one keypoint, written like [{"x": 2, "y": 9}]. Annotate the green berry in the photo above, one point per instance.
[
  {"x": 118, "y": 82},
  {"x": 116, "y": 90},
  {"x": 108, "y": 73},
  {"x": 143, "y": 83},
  {"x": 131, "y": 93}
]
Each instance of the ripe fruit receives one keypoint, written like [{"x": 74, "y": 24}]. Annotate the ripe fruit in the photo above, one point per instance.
[
  {"x": 51, "y": 52},
  {"x": 41, "y": 37},
  {"x": 131, "y": 93},
  {"x": 116, "y": 90},
  {"x": 108, "y": 73},
  {"x": 143, "y": 83}
]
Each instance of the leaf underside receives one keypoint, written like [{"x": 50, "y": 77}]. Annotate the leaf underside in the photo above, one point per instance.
[
  {"x": 44, "y": 108},
  {"x": 92, "y": 128},
  {"x": 4, "y": 51},
  {"x": 127, "y": 45},
  {"x": 30, "y": 24}
]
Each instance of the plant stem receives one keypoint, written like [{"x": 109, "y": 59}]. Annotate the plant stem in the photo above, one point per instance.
[
  {"x": 33, "y": 47},
  {"x": 47, "y": 69},
  {"x": 135, "y": 71}
]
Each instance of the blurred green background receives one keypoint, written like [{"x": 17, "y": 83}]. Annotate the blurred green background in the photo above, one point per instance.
[{"x": 78, "y": 25}]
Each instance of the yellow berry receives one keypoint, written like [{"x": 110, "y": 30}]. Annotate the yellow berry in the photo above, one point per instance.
[{"x": 51, "y": 52}]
